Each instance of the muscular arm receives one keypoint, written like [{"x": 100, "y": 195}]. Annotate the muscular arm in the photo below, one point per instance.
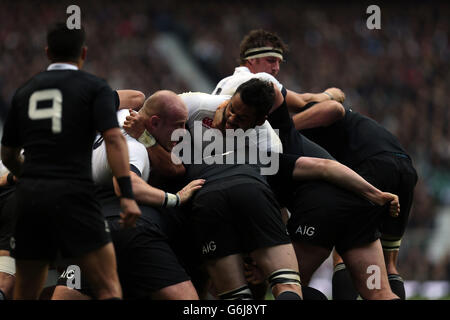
[
  {"x": 143, "y": 192},
  {"x": 146, "y": 194},
  {"x": 161, "y": 162},
  {"x": 12, "y": 159},
  {"x": 131, "y": 99},
  {"x": 117, "y": 154},
  {"x": 336, "y": 173},
  {"x": 296, "y": 101},
  {"x": 321, "y": 114}
]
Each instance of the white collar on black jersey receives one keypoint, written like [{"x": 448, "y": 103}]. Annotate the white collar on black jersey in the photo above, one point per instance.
[{"x": 62, "y": 66}]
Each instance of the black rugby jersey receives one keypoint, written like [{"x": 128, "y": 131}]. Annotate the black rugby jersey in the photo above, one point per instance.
[
  {"x": 354, "y": 138},
  {"x": 54, "y": 118}
]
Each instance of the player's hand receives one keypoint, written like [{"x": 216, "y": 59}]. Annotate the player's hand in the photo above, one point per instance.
[
  {"x": 130, "y": 213},
  {"x": 337, "y": 94},
  {"x": 186, "y": 193},
  {"x": 134, "y": 124},
  {"x": 218, "y": 116},
  {"x": 394, "y": 204}
]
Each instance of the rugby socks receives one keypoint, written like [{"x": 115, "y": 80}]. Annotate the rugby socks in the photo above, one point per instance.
[
  {"x": 288, "y": 295},
  {"x": 312, "y": 294},
  {"x": 2, "y": 295},
  {"x": 397, "y": 285},
  {"x": 342, "y": 284},
  {"x": 285, "y": 276},
  {"x": 242, "y": 293}
]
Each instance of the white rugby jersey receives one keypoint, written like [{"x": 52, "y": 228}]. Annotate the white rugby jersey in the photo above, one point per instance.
[
  {"x": 228, "y": 85},
  {"x": 101, "y": 171},
  {"x": 201, "y": 109}
]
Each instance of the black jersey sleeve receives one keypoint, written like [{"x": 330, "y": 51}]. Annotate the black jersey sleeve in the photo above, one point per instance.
[
  {"x": 11, "y": 136},
  {"x": 116, "y": 99},
  {"x": 104, "y": 110}
]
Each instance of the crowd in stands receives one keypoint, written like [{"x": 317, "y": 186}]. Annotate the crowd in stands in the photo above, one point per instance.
[{"x": 398, "y": 75}]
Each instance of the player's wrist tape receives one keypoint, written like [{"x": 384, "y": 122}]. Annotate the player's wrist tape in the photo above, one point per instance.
[
  {"x": 328, "y": 94},
  {"x": 147, "y": 139},
  {"x": 171, "y": 200},
  {"x": 125, "y": 187},
  {"x": 10, "y": 179}
]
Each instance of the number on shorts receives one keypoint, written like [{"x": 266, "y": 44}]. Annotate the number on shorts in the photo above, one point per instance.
[{"x": 54, "y": 112}]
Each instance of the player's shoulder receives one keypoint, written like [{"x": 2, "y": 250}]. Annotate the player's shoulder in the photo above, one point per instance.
[
  {"x": 91, "y": 78},
  {"x": 199, "y": 100},
  {"x": 26, "y": 86}
]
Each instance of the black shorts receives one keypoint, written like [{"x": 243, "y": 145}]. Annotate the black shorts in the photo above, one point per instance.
[
  {"x": 145, "y": 261},
  {"x": 57, "y": 216},
  {"x": 7, "y": 222},
  {"x": 392, "y": 173},
  {"x": 326, "y": 215},
  {"x": 238, "y": 219}
]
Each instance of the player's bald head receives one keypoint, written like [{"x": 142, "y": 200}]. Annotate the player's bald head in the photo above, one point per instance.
[{"x": 163, "y": 103}]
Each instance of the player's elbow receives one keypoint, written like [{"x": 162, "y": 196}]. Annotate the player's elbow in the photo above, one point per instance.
[
  {"x": 113, "y": 137},
  {"x": 137, "y": 99}
]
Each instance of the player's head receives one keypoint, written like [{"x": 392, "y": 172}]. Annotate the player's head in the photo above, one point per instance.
[
  {"x": 164, "y": 111},
  {"x": 66, "y": 45},
  {"x": 249, "y": 105},
  {"x": 262, "y": 51}
]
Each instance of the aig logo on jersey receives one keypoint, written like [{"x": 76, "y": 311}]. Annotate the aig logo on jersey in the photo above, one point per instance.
[
  {"x": 306, "y": 230},
  {"x": 73, "y": 277},
  {"x": 209, "y": 247}
]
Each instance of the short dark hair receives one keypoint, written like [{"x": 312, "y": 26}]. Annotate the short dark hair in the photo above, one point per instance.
[
  {"x": 63, "y": 43},
  {"x": 258, "y": 95},
  {"x": 260, "y": 38}
]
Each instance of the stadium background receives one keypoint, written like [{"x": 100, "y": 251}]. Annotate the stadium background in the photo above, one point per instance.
[{"x": 398, "y": 75}]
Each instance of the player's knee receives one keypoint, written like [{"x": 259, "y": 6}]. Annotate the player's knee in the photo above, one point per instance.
[{"x": 241, "y": 293}]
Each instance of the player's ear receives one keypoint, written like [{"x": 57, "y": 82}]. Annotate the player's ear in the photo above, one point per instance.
[
  {"x": 83, "y": 53},
  {"x": 154, "y": 121},
  {"x": 48, "y": 53}
]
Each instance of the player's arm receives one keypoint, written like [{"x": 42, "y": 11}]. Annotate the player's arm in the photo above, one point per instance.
[
  {"x": 130, "y": 99},
  {"x": 296, "y": 101},
  {"x": 161, "y": 161},
  {"x": 117, "y": 154},
  {"x": 149, "y": 195},
  {"x": 321, "y": 114},
  {"x": 341, "y": 175},
  {"x": 12, "y": 159},
  {"x": 7, "y": 180}
]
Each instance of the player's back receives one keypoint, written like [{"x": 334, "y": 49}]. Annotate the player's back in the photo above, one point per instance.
[
  {"x": 355, "y": 138},
  {"x": 56, "y": 115}
]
